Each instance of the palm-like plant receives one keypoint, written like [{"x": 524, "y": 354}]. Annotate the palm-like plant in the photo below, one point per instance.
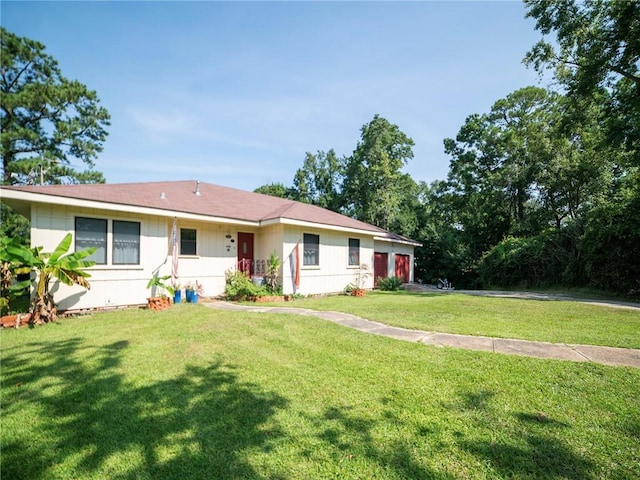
[
  {"x": 67, "y": 268},
  {"x": 273, "y": 266},
  {"x": 13, "y": 258}
]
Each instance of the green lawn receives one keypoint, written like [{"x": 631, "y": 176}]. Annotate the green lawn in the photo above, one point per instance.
[
  {"x": 547, "y": 321},
  {"x": 193, "y": 392}
]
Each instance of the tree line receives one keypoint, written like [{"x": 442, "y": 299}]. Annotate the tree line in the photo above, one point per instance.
[{"x": 543, "y": 190}]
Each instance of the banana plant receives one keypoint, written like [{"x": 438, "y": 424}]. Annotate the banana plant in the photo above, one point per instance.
[
  {"x": 14, "y": 258},
  {"x": 67, "y": 268}
]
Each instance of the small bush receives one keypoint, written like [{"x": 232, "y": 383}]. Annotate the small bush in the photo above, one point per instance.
[
  {"x": 238, "y": 286},
  {"x": 548, "y": 259},
  {"x": 390, "y": 284}
]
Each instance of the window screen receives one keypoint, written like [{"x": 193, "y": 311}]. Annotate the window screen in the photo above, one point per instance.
[{"x": 126, "y": 243}]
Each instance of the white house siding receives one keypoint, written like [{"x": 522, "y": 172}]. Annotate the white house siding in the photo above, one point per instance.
[
  {"x": 127, "y": 284},
  {"x": 110, "y": 285},
  {"x": 393, "y": 248},
  {"x": 334, "y": 273},
  {"x": 267, "y": 240},
  {"x": 215, "y": 254}
]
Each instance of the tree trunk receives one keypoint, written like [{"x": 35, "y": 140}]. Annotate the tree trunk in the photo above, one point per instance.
[{"x": 42, "y": 308}]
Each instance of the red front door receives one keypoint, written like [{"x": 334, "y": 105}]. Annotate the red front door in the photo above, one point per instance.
[
  {"x": 245, "y": 252},
  {"x": 380, "y": 267},
  {"x": 402, "y": 267}
]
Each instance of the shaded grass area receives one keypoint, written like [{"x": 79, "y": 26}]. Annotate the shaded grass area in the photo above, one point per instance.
[
  {"x": 197, "y": 393},
  {"x": 525, "y": 319}
]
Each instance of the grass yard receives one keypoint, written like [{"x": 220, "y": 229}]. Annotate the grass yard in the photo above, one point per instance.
[
  {"x": 546, "y": 321},
  {"x": 193, "y": 392}
]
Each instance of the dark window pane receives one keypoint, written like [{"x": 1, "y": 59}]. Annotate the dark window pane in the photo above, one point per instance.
[
  {"x": 187, "y": 241},
  {"x": 92, "y": 232}
]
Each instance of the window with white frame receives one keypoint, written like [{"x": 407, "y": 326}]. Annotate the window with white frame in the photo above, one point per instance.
[
  {"x": 188, "y": 241},
  {"x": 311, "y": 249},
  {"x": 124, "y": 240},
  {"x": 92, "y": 232},
  {"x": 354, "y": 251},
  {"x": 126, "y": 243}
]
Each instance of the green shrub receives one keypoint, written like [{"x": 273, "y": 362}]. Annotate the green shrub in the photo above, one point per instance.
[
  {"x": 611, "y": 245},
  {"x": 548, "y": 259},
  {"x": 238, "y": 286},
  {"x": 390, "y": 284}
]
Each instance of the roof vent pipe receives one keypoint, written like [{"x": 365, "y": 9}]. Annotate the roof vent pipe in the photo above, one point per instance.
[
  {"x": 162, "y": 195},
  {"x": 197, "y": 192}
]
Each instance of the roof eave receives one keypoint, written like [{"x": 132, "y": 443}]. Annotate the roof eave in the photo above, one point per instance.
[
  {"x": 21, "y": 197},
  {"x": 323, "y": 226},
  {"x": 413, "y": 243}
]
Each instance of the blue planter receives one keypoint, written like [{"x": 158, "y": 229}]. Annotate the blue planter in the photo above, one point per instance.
[
  {"x": 177, "y": 296},
  {"x": 191, "y": 296}
]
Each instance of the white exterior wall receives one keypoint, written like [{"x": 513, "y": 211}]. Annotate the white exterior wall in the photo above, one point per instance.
[
  {"x": 119, "y": 285},
  {"x": 334, "y": 272},
  {"x": 215, "y": 254},
  {"x": 391, "y": 248},
  {"x": 116, "y": 285},
  {"x": 268, "y": 240}
]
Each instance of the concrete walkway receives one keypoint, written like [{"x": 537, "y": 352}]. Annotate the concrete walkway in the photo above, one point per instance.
[{"x": 558, "y": 351}]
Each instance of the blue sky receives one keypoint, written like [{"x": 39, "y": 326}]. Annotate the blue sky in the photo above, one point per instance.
[{"x": 235, "y": 93}]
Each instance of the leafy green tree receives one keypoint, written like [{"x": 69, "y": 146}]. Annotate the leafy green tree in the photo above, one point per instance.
[
  {"x": 528, "y": 164},
  {"x": 496, "y": 160},
  {"x": 596, "y": 56},
  {"x": 407, "y": 218},
  {"x": 446, "y": 246},
  {"x": 577, "y": 172},
  {"x": 276, "y": 190},
  {"x": 318, "y": 181},
  {"x": 373, "y": 181},
  {"x": 48, "y": 122},
  {"x": 12, "y": 224}
]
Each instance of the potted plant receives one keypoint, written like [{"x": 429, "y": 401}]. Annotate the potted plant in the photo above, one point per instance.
[
  {"x": 273, "y": 267},
  {"x": 193, "y": 292},
  {"x": 177, "y": 292},
  {"x": 189, "y": 292},
  {"x": 357, "y": 290},
  {"x": 159, "y": 299}
]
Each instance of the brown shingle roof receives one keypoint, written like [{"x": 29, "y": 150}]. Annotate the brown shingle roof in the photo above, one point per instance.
[{"x": 214, "y": 200}]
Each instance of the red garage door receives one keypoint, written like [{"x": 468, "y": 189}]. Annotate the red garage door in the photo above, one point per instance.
[
  {"x": 402, "y": 267},
  {"x": 380, "y": 266}
]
